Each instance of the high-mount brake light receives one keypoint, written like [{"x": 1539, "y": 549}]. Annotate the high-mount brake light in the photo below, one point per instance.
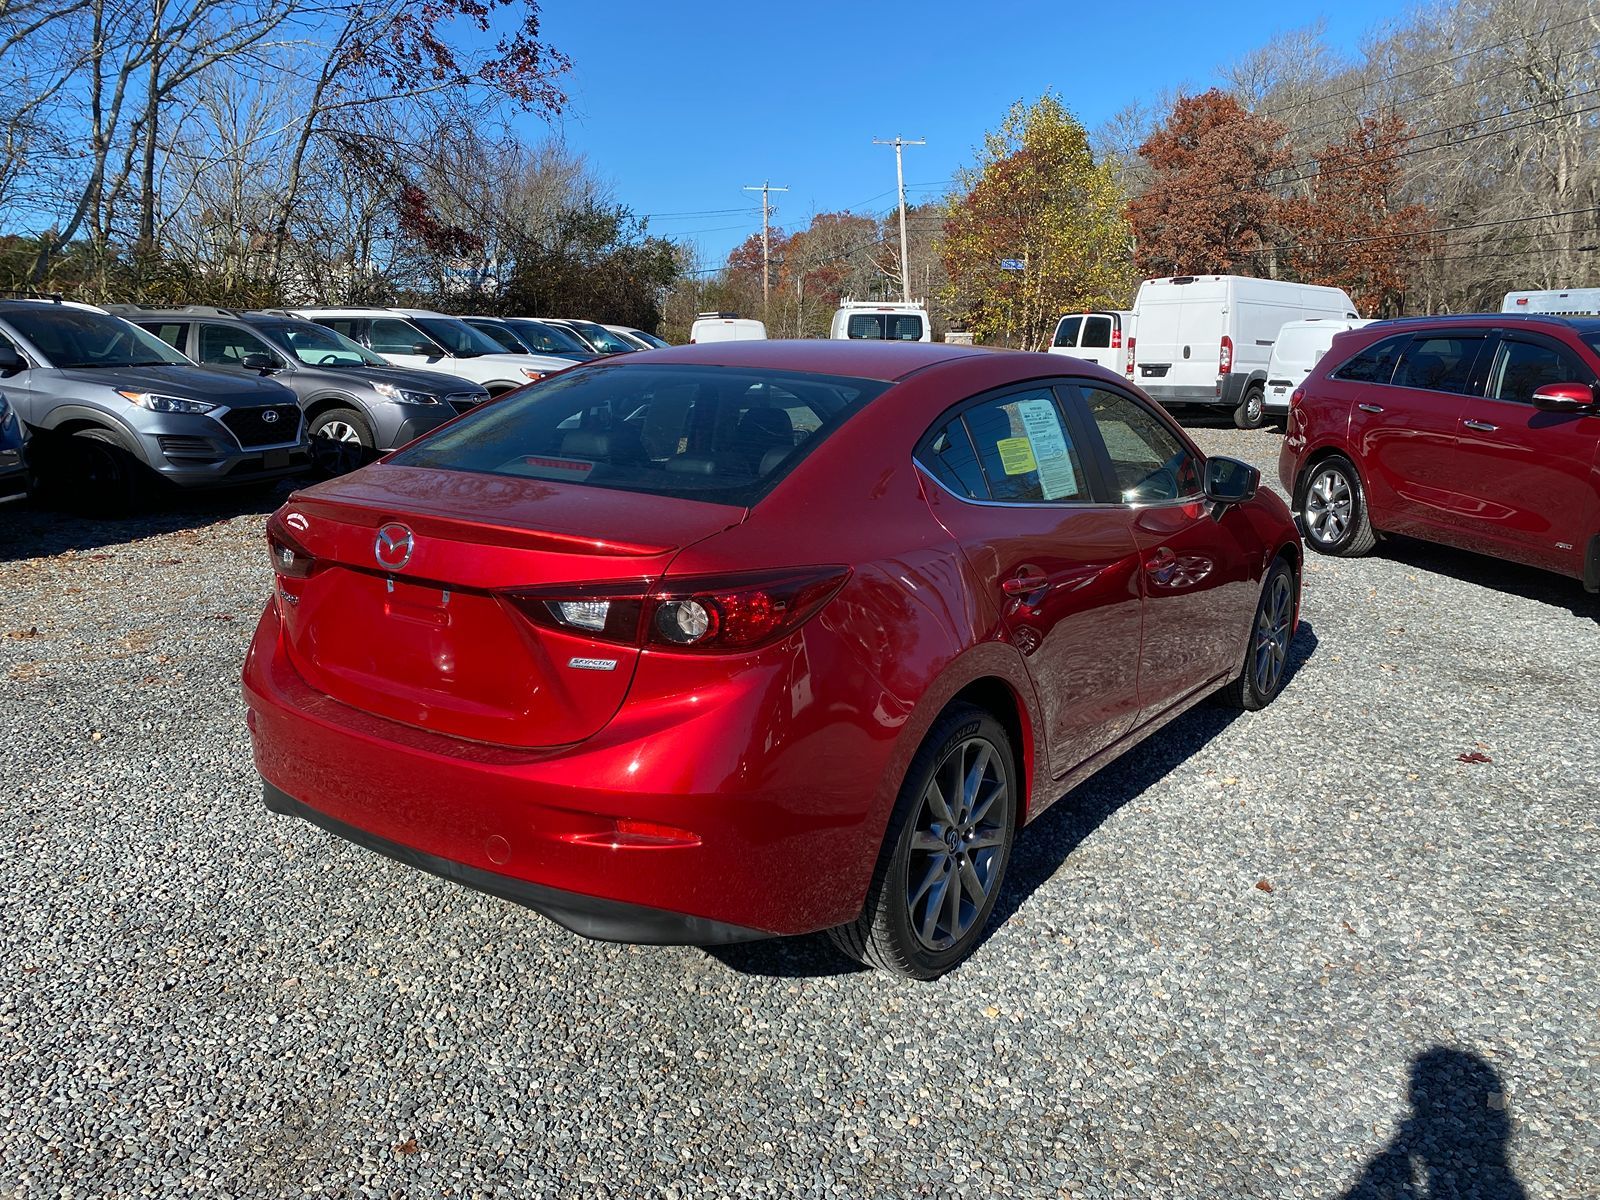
[{"x": 720, "y": 613}]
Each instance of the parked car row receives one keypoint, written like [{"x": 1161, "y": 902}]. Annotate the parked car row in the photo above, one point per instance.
[{"x": 99, "y": 403}]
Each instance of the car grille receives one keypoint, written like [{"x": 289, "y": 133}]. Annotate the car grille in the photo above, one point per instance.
[
  {"x": 189, "y": 449},
  {"x": 461, "y": 401},
  {"x": 252, "y": 428}
]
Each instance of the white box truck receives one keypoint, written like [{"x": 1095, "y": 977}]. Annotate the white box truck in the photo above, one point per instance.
[
  {"x": 1103, "y": 336},
  {"x": 1568, "y": 302},
  {"x": 876, "y": 320},
  {"x": 1300, "y": 345},
  {"x": 1206, "y": 339}
]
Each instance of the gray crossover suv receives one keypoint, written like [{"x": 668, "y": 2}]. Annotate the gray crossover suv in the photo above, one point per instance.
[
  {"x": 110, "y": 408},
  {"x": 356, "y": 405}
]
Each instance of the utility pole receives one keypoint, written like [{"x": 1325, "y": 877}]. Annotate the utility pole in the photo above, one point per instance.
[
  {"x": 899, "y": 143},
  {"x": 766, "y": 213}
]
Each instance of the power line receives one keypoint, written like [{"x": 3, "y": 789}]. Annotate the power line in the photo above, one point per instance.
[{"x": 1420, "y": 233}]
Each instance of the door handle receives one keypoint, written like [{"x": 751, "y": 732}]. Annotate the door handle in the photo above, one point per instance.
[
  {"x": 1024, "y": 585},
  {"x": 1371, "y": 408},
  {"x": 1480, "y": 426}
]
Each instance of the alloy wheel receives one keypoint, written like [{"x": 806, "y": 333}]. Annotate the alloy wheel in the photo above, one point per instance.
[
  {"x": 1329, "y": 505},
  {"x": 956, "y": 848},
  {"x": 337, "y": 447},
  {"x": 1272, "y": 633}
]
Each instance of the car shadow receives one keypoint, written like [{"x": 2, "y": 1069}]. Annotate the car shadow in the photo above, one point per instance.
[
  {"x": 29, "y": 529},
  {"x": 1044, "y": 845},
  {"x": 1530, "y": 583}
]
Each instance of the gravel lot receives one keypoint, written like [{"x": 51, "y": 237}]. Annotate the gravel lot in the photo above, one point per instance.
[{"x": 1219, "y": 966}]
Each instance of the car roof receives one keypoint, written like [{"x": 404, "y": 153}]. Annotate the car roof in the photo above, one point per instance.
[
  {"x": 883, "y": 361},
  {"x": 31, "y": 303},
  {"x": 1581, "y": 325}
]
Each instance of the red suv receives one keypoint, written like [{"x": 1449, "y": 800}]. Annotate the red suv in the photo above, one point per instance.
[
  {"x": 759, "y": 638},
  {"x": 1482, "y": 432}
]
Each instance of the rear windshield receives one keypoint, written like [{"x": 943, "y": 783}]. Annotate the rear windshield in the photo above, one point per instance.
[
  {"x": 894, "y": 327},
  {"x": 706, "y": 433}
]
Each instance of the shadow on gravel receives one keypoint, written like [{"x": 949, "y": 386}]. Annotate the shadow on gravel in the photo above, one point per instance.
[
  {"x": 1514, "y": 579},
  {"x": 1453, "y": 1145},
  {"x": 30, "y": 530},
  {"x": 1044, "y": 845}
]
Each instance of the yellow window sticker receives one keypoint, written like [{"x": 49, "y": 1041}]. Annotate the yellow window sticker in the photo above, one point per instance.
[{"x": 1016, "y": 455}]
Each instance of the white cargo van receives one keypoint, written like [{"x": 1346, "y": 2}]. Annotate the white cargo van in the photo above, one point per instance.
[
  {"x": 1299, "y": 346},
  {"x": 1206, "y": 339},
  {"x": 1103, "y": 336},
  {"x": 725, "y": 327},
  {"x": 1572, "y": 302},
  {"x": 881, "y": 321}
]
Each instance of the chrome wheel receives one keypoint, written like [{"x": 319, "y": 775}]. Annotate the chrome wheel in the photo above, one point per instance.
[
  {"x": 956, "y": 847},
  {"x": 1272, "y": 633},
  {"x": 1329, "y": 506}
]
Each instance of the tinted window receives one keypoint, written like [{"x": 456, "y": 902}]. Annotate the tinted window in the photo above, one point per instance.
[
  {"x": 1374, "y": 364},
  {"x": 170, "y": 332},
  {"x": 1523, "y": 367},
  {"x": 1148, "y": 459},
  {"x": 547, "y": 339},
  {"x": 1025, "y": 450},
  {"x": 1096, "y": 333},
  {"x": 711, "y": 433},
  {"x": 602, "y": 339},
  {"x": 389, "y": 336},
  {"x": 500, "y": 335},
  {"x": 905, "y": 327},
  {"x": 461, "y": 339},
  {"x": 948, "y": 454},
  {"x": 865, "y": 325},
  {"x": 226, "y": 346},
  {"x": 1438, "y": 364},
  {"x": 1067, "y": 331},
  {"x": 77, "y": 337}
]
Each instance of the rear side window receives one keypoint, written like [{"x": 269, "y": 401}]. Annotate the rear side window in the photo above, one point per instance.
[
  {"x": 1149, "y": 461},
  {"x": 1438, "y": 364},
  {"x": 948, "y": 453},
  {"x": 1067, "y": 331},
  {"x": 1096, "y": 333},
  {"x": 1375, "y": 364},
  {"x": 708, "y": 433},
  {"x": 1521, "y": 368},
  {"x": 1015, "y": 447}
]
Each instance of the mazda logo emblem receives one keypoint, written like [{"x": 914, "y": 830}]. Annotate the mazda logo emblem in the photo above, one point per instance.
[
  {"x": 393, "y": 547},
  {"x": 270, "y": 416}
]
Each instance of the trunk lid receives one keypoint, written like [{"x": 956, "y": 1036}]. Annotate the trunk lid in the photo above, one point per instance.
[{"x": 433, "y": 639}]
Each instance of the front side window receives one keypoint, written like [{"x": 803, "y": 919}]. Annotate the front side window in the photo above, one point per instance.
[
  {"x": 1438, "y": 364},
  {"x": 317, "y": 346},
  {"x": 1521, "y": 368},
  {"x": 226, "y": 346},
  {"x": 547, "y": 339},
  {"x": 708, "y": 433},
  {"x": 390, "y": 336},
  {"x": 1375, "y": 364},
  {"x": 1149, "y": 461},
  {"x": 78, "y": 338},
  {"x": 500, "y": 335},
  {"x": 1024, "y": 449},
  {"x": 461, "y": 339}
]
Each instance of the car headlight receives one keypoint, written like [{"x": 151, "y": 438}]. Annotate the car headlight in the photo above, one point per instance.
[
  {"x": 156, "y": 402},
  {"x": 389, "y": 392}
]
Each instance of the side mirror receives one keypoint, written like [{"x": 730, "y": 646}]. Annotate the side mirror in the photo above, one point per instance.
[
  {"x": 261, "y": 362},
  {"x": 424, "y": 349},
  {"x": 11, "y": 360},
  {"x": 1564, "y": 398},
  {"x": 1229, "y": 481}
]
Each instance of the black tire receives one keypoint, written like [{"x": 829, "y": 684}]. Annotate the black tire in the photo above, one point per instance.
[
  {"x": 341, "y": 440},
  {"x": 910, "y": 929},
  {"x": 1252, "y": 408},
  {"x": 93, "y": 473},
  {"x": 1266, "y": 657},
  {"x": 1333, "y": 509}
]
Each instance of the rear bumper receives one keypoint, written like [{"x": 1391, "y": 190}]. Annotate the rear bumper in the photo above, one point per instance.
[
  {"x": 590, "y": 916},
  {"x": 753, "y": 836}
]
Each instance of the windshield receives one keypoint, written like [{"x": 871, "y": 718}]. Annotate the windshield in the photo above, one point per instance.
[
  {"x": 76, "y": 337},
  {"x": 704, "y": 433},
  {"x": 546, "y": 339},
  {"x": 461, "y": 339},
  {"x": 317, "y": 346},
  {"x": 601, "y": 338}
]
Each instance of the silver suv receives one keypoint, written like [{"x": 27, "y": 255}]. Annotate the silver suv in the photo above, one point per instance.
[
  {"x": 111, "y": 408},
  {"x": 356, "y": 405}
]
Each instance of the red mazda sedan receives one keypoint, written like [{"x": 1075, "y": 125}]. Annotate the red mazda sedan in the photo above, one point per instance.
[
  {"x": 1482, "y": 432},
  {"x": 761, "y": 638}
]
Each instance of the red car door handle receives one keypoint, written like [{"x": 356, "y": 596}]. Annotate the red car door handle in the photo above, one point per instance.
[
  {"x": 1024, "y": 585},
  {"x": 1371, "y": 408},
  {"x": 1480, "y": 426}
]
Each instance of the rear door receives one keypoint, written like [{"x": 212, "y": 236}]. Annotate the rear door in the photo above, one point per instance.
[
  {"x": 1195, "y": 571},
  {"x": 1058, "y": 563},
  {"x": 1066, "y": 338},
  {"x": 1530, "y": 471},
  {"x": 1095, "y": 342}
]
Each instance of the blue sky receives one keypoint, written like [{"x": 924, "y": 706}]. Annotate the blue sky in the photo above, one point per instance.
[{"x": 679, "y": 105}]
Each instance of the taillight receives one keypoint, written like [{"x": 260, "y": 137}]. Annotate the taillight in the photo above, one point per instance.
[
  {"x": 1128, "y": 370},
  {"x": 711, "y": 613},
  {"x": 1298, "y": 395},
  {"x": 1116, "y": 339},
  {"x": 289, "y": 558},
  {"x": 1225, "y": 356}
]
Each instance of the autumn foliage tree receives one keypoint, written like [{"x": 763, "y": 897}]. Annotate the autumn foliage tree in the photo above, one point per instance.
[
  {"x": 1349, "y": 232},
  {"x": 1040, "y": 202},
  {"x": 1211, "y": 206}
]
